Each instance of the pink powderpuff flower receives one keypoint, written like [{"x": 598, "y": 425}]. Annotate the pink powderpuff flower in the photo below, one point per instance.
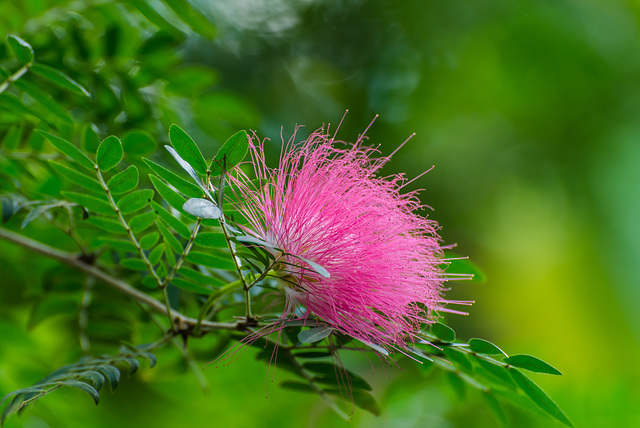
[{"x": 380, "y": 274}]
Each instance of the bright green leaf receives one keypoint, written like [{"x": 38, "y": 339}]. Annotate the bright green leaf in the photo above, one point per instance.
[
  {"x": 190, "y": 286},
  {"x": 171, "y": 221},
  {"x": 156, "y": 254},
  {"x": 532, "y": 364},
  {"x": 185, "y": 187},
  {"x": 119, "y": 244},
  {"x": 187, "y": 149},
  {"x": 21, "y": 49},
  {"x": 135, "y": 201},
  {"x": 210, "y": 260},
  {"x": 89, "y": 202},
  {"x": 168, "y": 194},
  {"x": 65, "y": 147},
  {"x": 124, "y": 181},
  {"x": 149, "y": 240},
  {"x": 141, "y": 222},
  {"x": 232, "y": 152},
  {"x": 134, "y": 264},
  {"x": 443, "y": 332},
  {"x": 59, "y": 78},
  {"x": 200, "y": 278},
  {"x": 106, "y": 224},
  {"x": 481, "y": 346},
  {"x": 211, "y": 239},
  {"x": 538, "y": 396},
  {"x": 109, "y": 153},
  {"x": 76, "y": 177}
]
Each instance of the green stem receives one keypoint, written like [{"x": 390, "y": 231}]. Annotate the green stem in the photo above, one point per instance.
[
  {"x": 15, "y": 76},
  {"x": 76, "y": 262},
  {"x": 133, "y": 239},
  {"x": 232, "y": 286},
  {"x": 183, "y": 256}
]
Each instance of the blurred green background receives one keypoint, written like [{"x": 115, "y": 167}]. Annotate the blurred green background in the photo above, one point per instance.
[{"x": 529, "y": 111}]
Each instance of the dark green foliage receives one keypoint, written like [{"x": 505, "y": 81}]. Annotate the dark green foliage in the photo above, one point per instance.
[
  {"x": 230, "y": 154},
  {"x": 89, "y": 375}
]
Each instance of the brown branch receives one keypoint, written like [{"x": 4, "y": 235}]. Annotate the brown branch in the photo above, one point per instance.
[{"x": 183, "y": 322}]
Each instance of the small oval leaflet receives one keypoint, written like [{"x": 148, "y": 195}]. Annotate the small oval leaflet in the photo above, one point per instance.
[
  {"x": 532, "y": 364},
  {"x": 313, "y": 335},
  {"x": 187, "y": 167},
  {"x": 202, "y": 208},
  {"x": 481, "y": 346}
]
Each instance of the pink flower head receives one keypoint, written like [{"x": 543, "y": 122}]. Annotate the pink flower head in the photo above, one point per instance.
[{"x": 324, "y": 205}]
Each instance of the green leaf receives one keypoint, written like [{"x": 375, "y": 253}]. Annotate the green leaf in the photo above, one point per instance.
[
  {"x": 187, "y": 149},
  {"x": 168, "y": 251},
  {"x": 44, "y": 100},
  {"x": 365, "y": 401},
  {"x": 96, "y": 378},
  {"x": 443, "y": 332},
  {"x": 37, "y": 212},
  {"x": 134, "y": 365},
  {"x": 21, "y": 49},
  {"x": 109, "y": 153},
  {"x": 141, "y": 222},
  {"x": 119, "y": 244},
  {"x": 12, "y": 138},
  {"x": 149, "y": 281},
  {"x": 134, "y": 264},
  {"x": 498, "y": 372},
  {"x": 112, "y": 374},
  {"x": 538, "y": 396},
  {"x": 90, "y": 139},
  {"x": 150, "y": 13},
  {"x": 185, "y": 187},
  {"x": 211, "y": 240},
  {"x": 59, "y": 78},
  {"x": 89, "y": 202},
  {"x": 191, "y": 287},
  {"x": 200, "y": 278},
  {"x": 69, "y": 149},
  {"x": 496, "y": 408},
  {"x": 171, "y": 221},
  {"x": 232, "y": 152},
  {"x": 192, "y": 17},
  {"x": 135, "y": 201},
  {"x": 138, "y": 142},
  {"x": 156, "y": 254},
  {"x": 106, "y": 224},
  {"x": 458, "y": 359},
  {"x": 149, "y": 240},
  {"x": 84, "y": 387},
  {"x": 124, "y": 181},
  {"x": 209, "y": 260},
  {"x": 313, "y": 335},
  {"x": 331, "y": 374},
  {"x": 532, "y": 364},
  {"x": 168, "y": 194},
  {"x": 481, "y": 346},
  {"x": 76, "y": 177},
  {"x": 169, "y": 239},
  {"x": 458, "y": 385}
]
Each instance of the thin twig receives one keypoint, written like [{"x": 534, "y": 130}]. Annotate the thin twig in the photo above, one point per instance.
[{"x": 74, "y": 260}]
